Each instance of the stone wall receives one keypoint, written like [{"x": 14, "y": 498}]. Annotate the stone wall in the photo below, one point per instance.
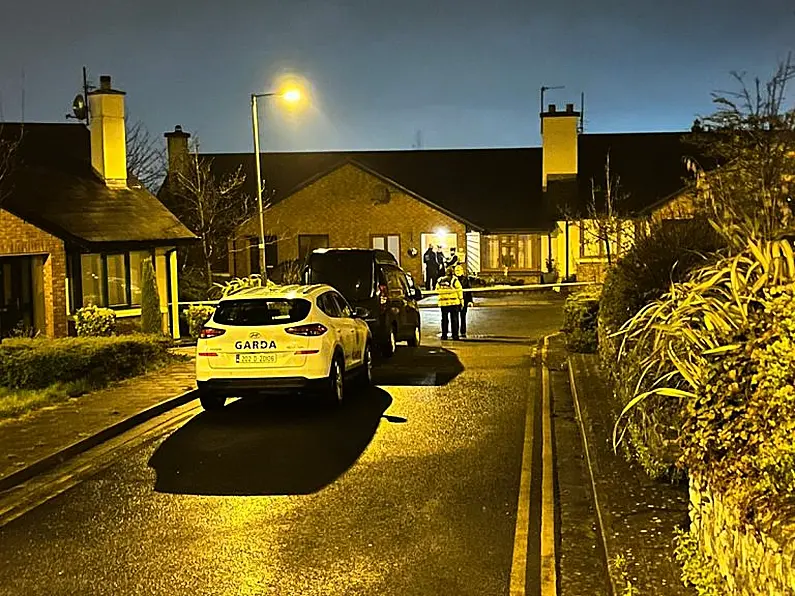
[{"x": 752, "y": 564}]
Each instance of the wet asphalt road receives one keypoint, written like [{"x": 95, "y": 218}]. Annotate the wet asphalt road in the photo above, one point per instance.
[{"x": 409, "y": 489}]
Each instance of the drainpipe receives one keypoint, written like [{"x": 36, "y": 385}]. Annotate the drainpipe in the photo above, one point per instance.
[{"x": 567, "y": 250}]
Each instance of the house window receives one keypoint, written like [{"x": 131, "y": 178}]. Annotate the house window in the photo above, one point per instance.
[
  {"x": 309, "y": 242},
  {"x": 514, "y": 251},
  {"x": 111, "y": 280},
  {"x": 390, "y": 243},
  {"x": 91, "y": 278},
  {"x": 592, "y": 242}
]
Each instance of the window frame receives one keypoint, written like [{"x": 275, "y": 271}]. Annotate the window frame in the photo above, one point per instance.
[
  {"x": 510, "y": 243},
  {"x": 308, "y": 252},
  {"x": 76, "y": 276}
]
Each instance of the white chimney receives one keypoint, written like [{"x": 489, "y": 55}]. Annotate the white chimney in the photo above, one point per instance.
[{"x": 108, "y": 139}]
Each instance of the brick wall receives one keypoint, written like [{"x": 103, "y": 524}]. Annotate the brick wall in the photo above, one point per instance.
[
  {"x": 345, "y": 205},
  {"x": 20, "y": 238}
]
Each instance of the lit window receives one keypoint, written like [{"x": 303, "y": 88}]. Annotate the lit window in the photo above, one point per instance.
[{"x": 92, "y": 280}]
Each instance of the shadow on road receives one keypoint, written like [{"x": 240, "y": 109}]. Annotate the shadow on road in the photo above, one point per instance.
[
  {"x": 423, "y": 365},
  {"x": 268, "y": 447}
]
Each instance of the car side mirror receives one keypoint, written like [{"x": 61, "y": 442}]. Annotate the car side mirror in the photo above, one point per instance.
[{"x": 360, "y": 313}]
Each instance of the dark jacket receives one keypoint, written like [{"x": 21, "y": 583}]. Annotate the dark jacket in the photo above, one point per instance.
[
  {"x": 466, "y": 284},
  {"x": 429, "y": 258}
]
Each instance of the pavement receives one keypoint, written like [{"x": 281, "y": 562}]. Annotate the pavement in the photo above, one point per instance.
[
  {"x": 45, "y": 437},
  {"x": 637, "y": 515}
]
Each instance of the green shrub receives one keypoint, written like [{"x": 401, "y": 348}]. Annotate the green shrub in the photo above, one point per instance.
[
  {"x": 240, "y": 283},
  {"x": 667, "y": 254},
  {"x": 698, "y": 570},
  {"x": 720, "y": 348},
  {"x": 151, "y": 319},
  {"x": 93, "y": 321},
  {"x": 197, "y": 316},
  {"x": 39, "y": 363},
  {"x": 580, "y": 313}
]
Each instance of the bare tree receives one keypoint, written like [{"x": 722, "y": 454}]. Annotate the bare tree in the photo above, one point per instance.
[
  {"x": 8, "y": 153},
  {"x": 146, "y": 156},
  {"x": 751, "y": 137},
  {"x": 211, "y": 206},
  {"x": 603, "y": 220}
]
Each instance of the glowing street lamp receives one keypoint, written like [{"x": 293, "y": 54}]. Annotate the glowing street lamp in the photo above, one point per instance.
[{"x": 291, "y": 95}]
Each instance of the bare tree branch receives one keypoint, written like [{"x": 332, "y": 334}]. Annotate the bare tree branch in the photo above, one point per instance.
[
  {"x": 8, "y": 155},
  {"x": 212, "y": 207},
  {"x": 752, "y": 136},
  {"x": 146, "y": 156}
]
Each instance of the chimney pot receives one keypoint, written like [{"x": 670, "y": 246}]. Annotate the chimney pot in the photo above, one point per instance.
[
  {"x": 104, "y": 82},
  {"x": 552, "y": 108},
  {"x": 570, "y": 108},
  {"x": 178, "y": 128}
]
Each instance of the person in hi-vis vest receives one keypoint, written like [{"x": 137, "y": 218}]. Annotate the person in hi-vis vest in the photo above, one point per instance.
[{"x": 451, "y": 299}]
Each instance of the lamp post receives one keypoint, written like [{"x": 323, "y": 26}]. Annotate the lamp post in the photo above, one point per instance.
[{"x": 292, "y": 96}]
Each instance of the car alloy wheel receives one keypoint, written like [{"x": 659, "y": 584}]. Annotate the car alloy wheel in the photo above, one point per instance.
[
  {"x": 336, "y": 382},
  {"x": 416, "y": 337},
  {"x": 367, "y": 373}
]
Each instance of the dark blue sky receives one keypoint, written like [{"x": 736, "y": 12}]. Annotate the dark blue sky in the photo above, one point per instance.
[{"x": 466, "y": 73}]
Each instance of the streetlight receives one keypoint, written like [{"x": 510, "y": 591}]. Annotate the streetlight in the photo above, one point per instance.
[{"x": 292, "y": 95}]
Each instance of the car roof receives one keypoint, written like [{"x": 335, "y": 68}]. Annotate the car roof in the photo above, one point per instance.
[{"x": 285, "y": 292}]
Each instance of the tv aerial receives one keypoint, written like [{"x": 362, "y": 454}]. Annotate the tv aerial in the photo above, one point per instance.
[{"x": 80, "y": 103}]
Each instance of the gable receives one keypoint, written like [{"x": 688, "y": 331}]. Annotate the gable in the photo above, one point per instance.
[{"x": 347, "y": 195}]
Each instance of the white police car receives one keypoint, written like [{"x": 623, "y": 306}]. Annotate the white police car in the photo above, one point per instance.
[{"x": 283, "y": 338}]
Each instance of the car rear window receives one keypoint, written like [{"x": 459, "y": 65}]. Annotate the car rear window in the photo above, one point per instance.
[
  {"x": 262, "y": 312},
  {"x": 350, "y": 273}
]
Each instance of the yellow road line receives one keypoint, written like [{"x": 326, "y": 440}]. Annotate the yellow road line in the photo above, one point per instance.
[
  {"x": 519, "y": 562},
  {"x": 549, "y": 580}
]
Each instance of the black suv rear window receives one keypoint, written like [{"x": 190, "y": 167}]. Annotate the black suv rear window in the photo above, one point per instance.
[
  {"x": 350, "y": 273},
  {"x": 254, "y": 311}
]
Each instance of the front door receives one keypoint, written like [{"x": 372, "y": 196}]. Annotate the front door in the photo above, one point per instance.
[{"x": 16, "y": 295}]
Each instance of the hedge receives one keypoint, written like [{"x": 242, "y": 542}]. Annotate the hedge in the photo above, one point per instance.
[
  {"x": 38, "y": 363},
  {"x": 580, "y": 314}
]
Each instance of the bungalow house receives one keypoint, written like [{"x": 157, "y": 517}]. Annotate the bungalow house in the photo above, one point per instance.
[
  {"x": 75, "y": 226},
  {"x": 514, "y": 211}
]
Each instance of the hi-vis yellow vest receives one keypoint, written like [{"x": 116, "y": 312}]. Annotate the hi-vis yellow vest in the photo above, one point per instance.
[{"x": 450, "y": 291}]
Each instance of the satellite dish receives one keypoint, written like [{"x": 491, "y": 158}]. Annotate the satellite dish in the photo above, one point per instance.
[{"x": 79, "y": 108}]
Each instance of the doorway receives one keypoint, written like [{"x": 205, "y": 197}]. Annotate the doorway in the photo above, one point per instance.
[{"x": 16, "y": 295}]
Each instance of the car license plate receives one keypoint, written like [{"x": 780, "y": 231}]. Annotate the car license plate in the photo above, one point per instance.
[{"x": 255, "y": 358}]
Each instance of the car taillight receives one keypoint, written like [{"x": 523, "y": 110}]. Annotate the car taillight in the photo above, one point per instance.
[
  {"x": 383, "y": 294},
  {"x": 312, "y": 330},
  {"x": 209, "y": 332}
]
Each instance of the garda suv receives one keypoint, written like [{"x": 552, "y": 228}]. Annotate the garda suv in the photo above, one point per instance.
[{"x": 287, "y": 338}]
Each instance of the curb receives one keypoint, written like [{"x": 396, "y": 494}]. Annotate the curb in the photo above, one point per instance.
[
  {"x": 597, "y": 506},
  {"x": 47, "y": 463}
]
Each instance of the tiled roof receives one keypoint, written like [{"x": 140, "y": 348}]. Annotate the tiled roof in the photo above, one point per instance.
[
  {"x": 491, "y": 188},
  {"x": 54, "y": 187},
  {"x": 648, "y": 167},
  {"x": 496, "y": 189}
]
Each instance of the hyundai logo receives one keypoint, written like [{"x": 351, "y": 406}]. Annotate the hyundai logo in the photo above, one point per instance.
[{"x": 254, "y": 334}]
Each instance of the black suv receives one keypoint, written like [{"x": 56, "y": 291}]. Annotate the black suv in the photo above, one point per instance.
[{"x": 372, "y": 279}]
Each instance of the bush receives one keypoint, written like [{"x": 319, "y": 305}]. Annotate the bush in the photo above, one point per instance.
[
  {"x": 580, "y": 314},
  {"x": 151, "y": 319},
  {"x": 287, "y": 272},
  {"x": 38, "y": 363},
  {"x": 93, "y": 321},
  {"x": 667, "y": 254},
  {"x": 197, "y": 316},
  {"x": 719, "y": 349},
  {"x": 494, "y": 280}
]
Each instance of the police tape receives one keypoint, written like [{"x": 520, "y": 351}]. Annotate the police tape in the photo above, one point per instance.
[
  {"x": 499, "y": 288},
  {"x": 510, "y": 288}
]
